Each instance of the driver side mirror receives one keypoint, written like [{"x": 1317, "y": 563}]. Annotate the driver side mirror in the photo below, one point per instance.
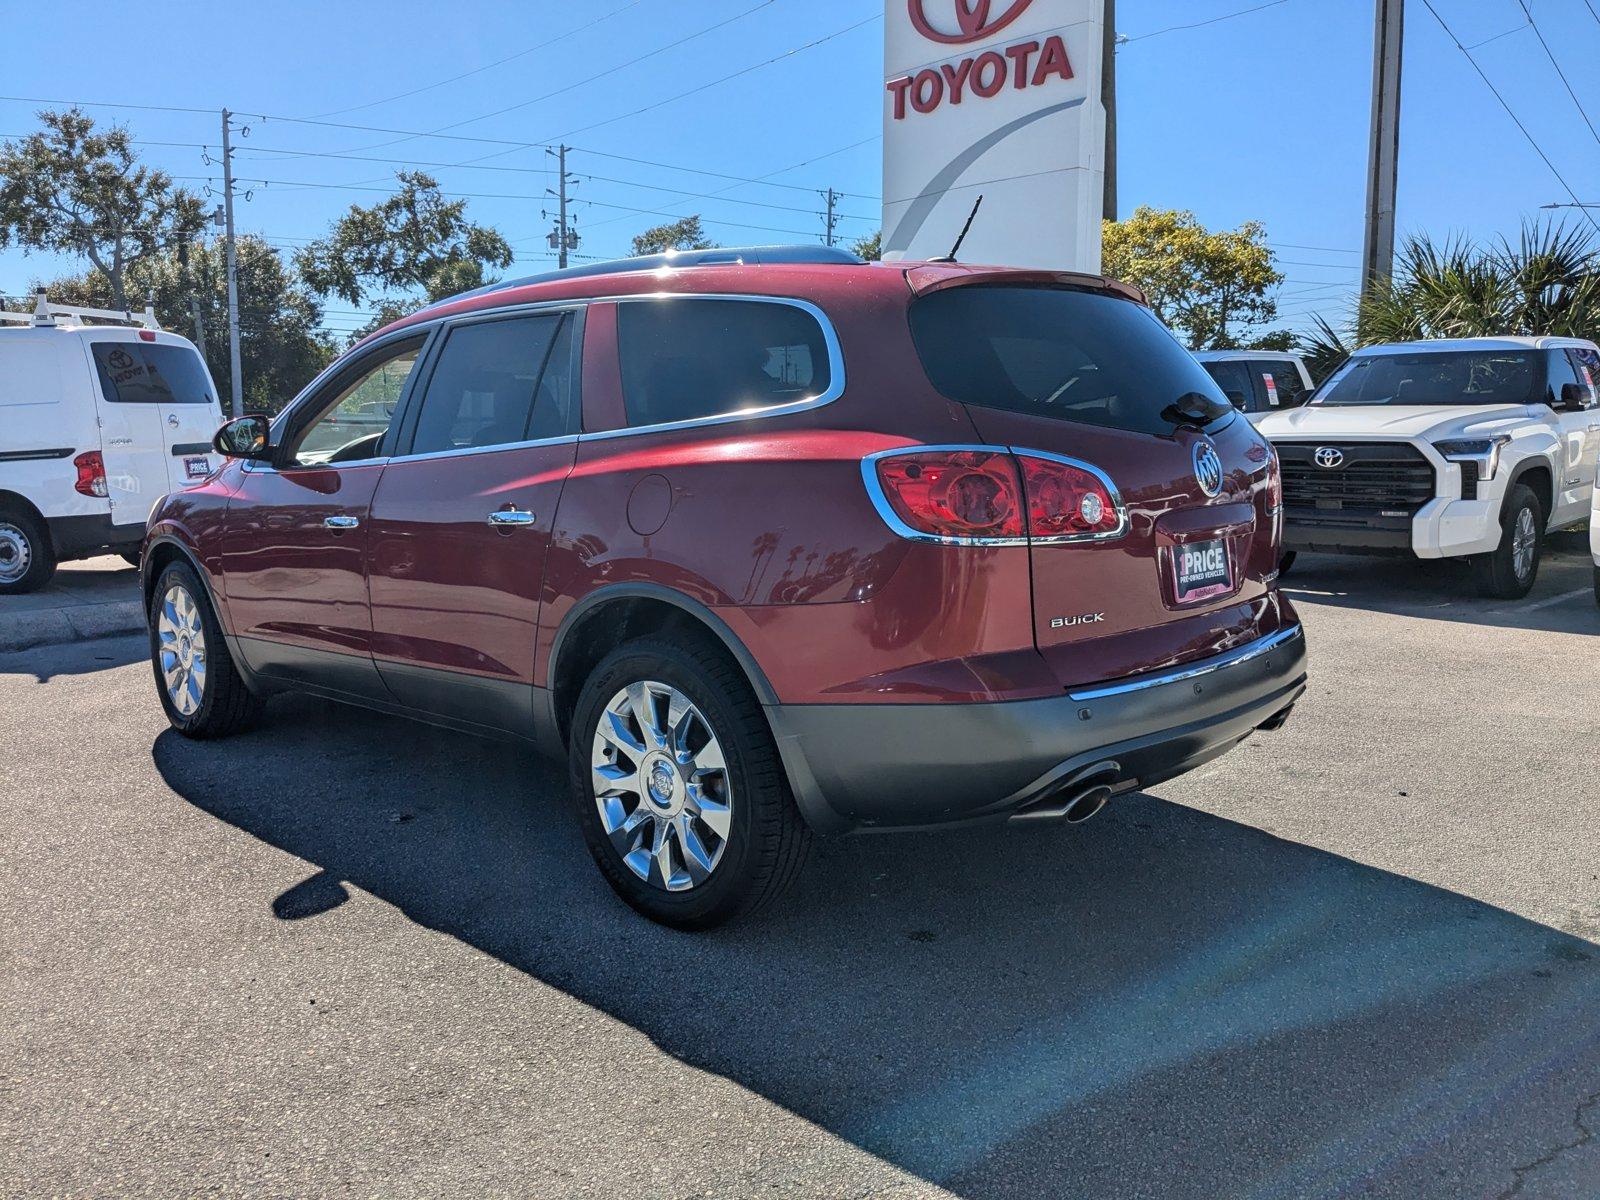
[
  {"x": 247, "y": 437},
  {"x": 1574, "y": 397}
]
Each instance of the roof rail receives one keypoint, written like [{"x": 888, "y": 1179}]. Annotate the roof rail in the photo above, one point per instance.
[{"x": 46, "y": 313}]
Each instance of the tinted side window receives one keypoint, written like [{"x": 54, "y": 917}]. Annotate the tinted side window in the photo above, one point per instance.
[
  {"x": 1587, "y": 365},
  {"x": 482, "y": 390},
  {"x": 136, "y": 373},
  {"x": 1234, "y": 379},
  {"x": 1282, "y": 378},
  {"x": 555, "y": 407},
  {"x": 1562, "y": 372},
  {"x": 683, "y": 359}
]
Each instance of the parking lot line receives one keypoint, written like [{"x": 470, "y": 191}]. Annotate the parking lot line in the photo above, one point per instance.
[{"x": 1550, "y": 602}]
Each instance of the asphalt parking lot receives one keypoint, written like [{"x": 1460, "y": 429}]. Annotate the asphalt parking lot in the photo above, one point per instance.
[{"x": 348, "y": 955}]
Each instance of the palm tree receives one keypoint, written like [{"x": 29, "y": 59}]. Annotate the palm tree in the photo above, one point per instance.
[{"x": 1547, "y": 282}]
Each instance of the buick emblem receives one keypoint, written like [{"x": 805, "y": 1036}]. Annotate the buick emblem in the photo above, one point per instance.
[
  {"x": 1207, "y": 468},
  {"x": 1328, "y": 457},
  {"x": 973, "y": 19}
]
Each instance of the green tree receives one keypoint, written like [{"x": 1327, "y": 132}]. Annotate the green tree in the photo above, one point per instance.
[
  {"x": 869, "y": 248},
  {"x": 281, "y": 346},
  {"x": 684, "y": 234},
  {"x": 1214, "y": 288},
  {"x": 69, "y": 189},
  {"x": 414, "y": 246},
  {"x": 1547, "y": 282}
]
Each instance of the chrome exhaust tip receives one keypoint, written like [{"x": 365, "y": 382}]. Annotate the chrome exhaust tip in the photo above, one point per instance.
[{"x": 1086, "y": 804}]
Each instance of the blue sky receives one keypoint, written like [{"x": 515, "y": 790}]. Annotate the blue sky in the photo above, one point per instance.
[{"x": 1262, "y": 115}]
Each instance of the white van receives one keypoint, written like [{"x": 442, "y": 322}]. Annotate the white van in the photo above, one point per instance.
[{"x": 97, "y": 423}]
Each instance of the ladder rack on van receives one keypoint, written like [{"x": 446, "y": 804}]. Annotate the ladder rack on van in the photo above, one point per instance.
[{"x": 46, "y": 313}]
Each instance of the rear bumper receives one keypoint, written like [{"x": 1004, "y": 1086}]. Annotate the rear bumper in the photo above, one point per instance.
[{"x": 861, "y": 766}]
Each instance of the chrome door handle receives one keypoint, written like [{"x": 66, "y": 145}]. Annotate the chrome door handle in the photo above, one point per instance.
[
  {"x": 340, "y": 522},
  {"x": 172, "y": 420},
  {"x": 511, "y": 518}
]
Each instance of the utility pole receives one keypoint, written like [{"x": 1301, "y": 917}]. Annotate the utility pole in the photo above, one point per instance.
[
  {"x": 1108, "y": 101},
  {"x": 1383, "y": 160},
  {"x": 235, "y": 380},
  {"x": 830, "y": 218},
  {"x": 563, "y": 238}
]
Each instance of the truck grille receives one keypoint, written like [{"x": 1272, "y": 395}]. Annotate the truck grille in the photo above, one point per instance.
[{"x": 1371, "y": 477}]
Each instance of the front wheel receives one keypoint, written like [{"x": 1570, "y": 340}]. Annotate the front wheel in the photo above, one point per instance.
[
  {"x": 200, "y": 688},
  {"x": 682, "y": 798},
  {"x": 27, "y": 555},
  {"x": 1508, "y": 571}
]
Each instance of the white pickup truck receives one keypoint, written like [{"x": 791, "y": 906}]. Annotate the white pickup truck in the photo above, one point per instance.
[{"x": 1474, "y": 448}]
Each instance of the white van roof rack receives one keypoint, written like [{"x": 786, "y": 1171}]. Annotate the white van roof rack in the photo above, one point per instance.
[{"x": 46, "y": 313}]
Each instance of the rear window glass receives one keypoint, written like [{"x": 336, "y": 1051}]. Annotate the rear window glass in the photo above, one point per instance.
[
  {"x": 138, "y": 373},
  {"x": 1438, "y": 377},
  {"x": 1074, "y": 356},
  {"x": 685, "y": 359}
]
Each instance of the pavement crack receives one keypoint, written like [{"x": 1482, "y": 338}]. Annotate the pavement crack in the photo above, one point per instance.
[{"x": 1585, "y": 1136}]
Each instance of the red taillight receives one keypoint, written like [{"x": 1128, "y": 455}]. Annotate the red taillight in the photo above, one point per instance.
[
  {"x": 91, "y": 474},
  {"x": 954, "y": 493},
  {"x": 1069, "y": 499},
  {"x": 962, "y": 493}
]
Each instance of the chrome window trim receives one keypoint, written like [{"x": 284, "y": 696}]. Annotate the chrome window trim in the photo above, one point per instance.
[
  {"x": 880, "y": 501},
  {"x": 830, "y": 339},
  {"x": 564, "y": 439},
  {"x": 1232, "y": 658}
]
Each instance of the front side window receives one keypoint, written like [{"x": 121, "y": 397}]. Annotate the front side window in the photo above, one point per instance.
[
  {"x": 1286, "y": 382},
  {"x": 139, "y": 373},
  {"x": 685, "y": 359},
  {"x": 352, "y": 425},
  {"x": 1070, "y": 355},
  {"x": 1459, "y": 377},
  {"x": 1234, "y": 380},
  {"x": 1587, "y": 364},
  {"x": 482, "y": 392}
]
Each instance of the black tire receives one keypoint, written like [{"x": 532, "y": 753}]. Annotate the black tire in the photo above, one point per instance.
[
  {"x": 27, "y": 555},
  {"x": 131, "y": 557},
  {"x": 767, "y": 839},
  {"x": 1287, "y": 561},
  {"x": 225, "y": 706},
  {"x": 1497, "y": 573}
]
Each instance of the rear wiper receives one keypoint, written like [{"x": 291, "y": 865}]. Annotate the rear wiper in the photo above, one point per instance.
[{"x": 1194, "y": 408}]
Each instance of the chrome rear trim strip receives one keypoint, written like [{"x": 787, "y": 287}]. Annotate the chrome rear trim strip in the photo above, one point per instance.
[{"x": 1221, "y": 662}]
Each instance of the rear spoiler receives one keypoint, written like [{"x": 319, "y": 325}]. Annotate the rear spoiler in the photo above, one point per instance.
[{"x": 932, "y": 277}]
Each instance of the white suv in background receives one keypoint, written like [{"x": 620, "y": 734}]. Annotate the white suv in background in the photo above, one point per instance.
[
  {"x": 1258, "y": 381},
  {"x": 1467, "y": 448},
  {"x": 97, "y": 423}
]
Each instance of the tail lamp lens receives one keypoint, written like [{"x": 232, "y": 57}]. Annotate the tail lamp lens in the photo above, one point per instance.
[
  {"x": 91, "y": 474},
  {"x": 960, "y": 494},
  {"x": 955, "y": 493},
  {"x": 1066, "y": 500}
]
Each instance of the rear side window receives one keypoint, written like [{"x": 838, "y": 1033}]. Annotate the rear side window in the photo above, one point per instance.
[
  {"x": 1233, "y": 377},
  {"x": 482, "y": 392},
  {"x": 687, "y": 359},
  {"x": 1282, "y": 380},
  {"x": 1074, "y": 356},
  {"x": 139, "y": 373}
]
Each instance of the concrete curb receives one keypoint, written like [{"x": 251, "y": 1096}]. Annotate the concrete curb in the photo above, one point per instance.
[{"x": 70, "y": 623}]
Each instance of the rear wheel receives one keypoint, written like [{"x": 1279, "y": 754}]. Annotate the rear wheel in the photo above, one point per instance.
[
  {"x": 683, "y": 802},
  {"x": 27, "y": 556},
  {"x": 1286, "y": 562},
  {"x": 1508, "y": 571},
  {"x": 202, "y": 691}
]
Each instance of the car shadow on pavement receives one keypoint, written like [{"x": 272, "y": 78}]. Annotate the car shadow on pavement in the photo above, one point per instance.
[
  {"x": 1160, "y": 1002},
  {"x": 1562, "y": 599},
  {"x": 45, "y": 663}
]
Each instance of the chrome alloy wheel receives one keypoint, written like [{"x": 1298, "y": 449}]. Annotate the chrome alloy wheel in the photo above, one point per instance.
[
  {"x": 16, "y": 555},
  {"x": 661, "y": 785},
  {"x": 182, "y": 650},
  {"x": 1523, "y": 538}
]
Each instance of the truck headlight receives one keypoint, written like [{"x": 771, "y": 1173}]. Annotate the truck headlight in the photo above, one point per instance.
[{"x": 1483, "y": 451}]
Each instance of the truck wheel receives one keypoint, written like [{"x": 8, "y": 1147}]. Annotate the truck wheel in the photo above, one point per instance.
[
  {"x": 683, "y": 801},
  {"x": 27, "y": 555},
  {"x": 200, "y": 688},
  {"x": 1508, "y": 571}
]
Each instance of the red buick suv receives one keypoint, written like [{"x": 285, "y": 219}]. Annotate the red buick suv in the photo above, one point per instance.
[{"x": 764, "y": 543}]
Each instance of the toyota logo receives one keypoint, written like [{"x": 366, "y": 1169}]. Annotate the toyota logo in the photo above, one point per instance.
[
  {"x": 1207, "y": 468},
  {"x": 1328, "y": 457},
  {"x": 972, "y": 17}
]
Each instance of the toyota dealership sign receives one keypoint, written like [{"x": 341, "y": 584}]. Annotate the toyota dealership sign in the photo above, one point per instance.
[{"x": 999, "y": 99}]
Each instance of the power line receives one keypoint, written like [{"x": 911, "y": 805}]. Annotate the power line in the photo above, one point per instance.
[
  {"x": 1565, "y": 82},
  {"x": 1243, "y": 12},
  {"x": 486, "y": 67},
  {"x": 1488, "y": 83}
]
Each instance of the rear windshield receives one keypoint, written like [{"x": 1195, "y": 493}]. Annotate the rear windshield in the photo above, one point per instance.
[
  {"x": 1075, "y": 356},
  {"x": 1437, "y": 377},
  {"x": 137, "y": 373}
]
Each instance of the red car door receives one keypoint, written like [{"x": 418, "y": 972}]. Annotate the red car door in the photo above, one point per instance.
[
  {"x": 461, "y": 519},
  {"x": 294, "y": 550}
]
